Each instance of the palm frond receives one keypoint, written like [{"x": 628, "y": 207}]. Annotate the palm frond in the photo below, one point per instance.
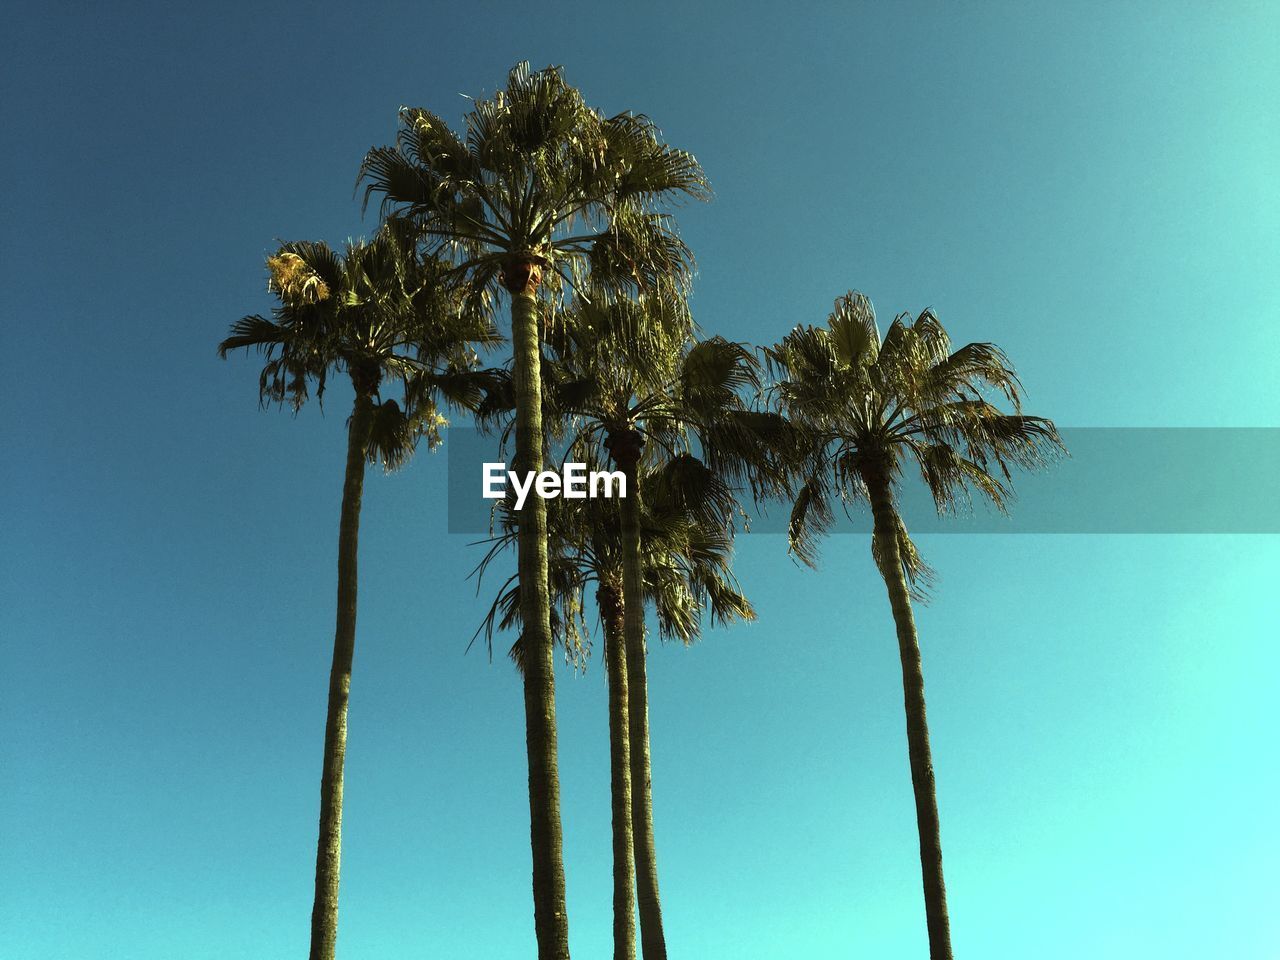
[
  {"x": 853, "y": 330},
  {"x": 919, "y": 575},
  {"x": 811, "y": 516}
]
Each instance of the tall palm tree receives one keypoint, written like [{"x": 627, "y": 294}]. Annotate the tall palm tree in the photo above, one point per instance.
[
  {"x": 868, "y": 407},
  {"x": 687, "y": 571},
  {"x": 377, "y": 312},
  {"x": 542, "y": 191},
  {"x": 633, "y": 373}
]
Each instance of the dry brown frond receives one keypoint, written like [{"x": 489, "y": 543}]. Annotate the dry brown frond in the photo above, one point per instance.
[{"x": 294, "y": 280}]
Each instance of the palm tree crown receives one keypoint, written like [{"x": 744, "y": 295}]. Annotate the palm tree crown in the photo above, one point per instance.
[
  {"x": 376, "y": 311},
  {"x": 630, "y": 372},
  {"x": 865, "y": 403},
  {"x": 540, "y": 187}
]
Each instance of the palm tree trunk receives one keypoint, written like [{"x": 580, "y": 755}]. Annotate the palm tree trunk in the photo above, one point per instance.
[
  {"x": 922, "y": 783},
  {"x": 609, "y": 599},
  {"x": 550, "y": 918},
  {"x": 324, "y": 912},
  {"x": 653, "y": 943}
]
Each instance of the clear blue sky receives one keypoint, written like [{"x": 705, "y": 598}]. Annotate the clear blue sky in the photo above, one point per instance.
[{"x": 1093, "y": 186}]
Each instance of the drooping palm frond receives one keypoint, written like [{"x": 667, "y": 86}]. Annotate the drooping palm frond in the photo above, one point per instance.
[
  {"x": 392, "y": 436},
  {"x": 684, "y": 486},
  {"x": 294, "y": 356},
  {"x": 811, "y": 515}
]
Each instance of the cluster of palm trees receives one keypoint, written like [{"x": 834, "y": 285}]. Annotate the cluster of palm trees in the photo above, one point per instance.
[{"x": 563, "y": 212}]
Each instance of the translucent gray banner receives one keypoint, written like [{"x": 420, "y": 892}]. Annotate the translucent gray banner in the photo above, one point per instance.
[{"x": 1116, "y": 480}]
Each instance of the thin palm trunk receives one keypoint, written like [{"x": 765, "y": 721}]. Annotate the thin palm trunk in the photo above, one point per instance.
[
  {"x": 550, "y": 919},
  {"x": 609, "y": 599},
  {"x": 652, "y": 941},
  {"x": 324, "y": 913},
  {"x": 922, "y": 782}
]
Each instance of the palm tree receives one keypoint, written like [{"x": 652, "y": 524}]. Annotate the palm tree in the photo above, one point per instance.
[
  {"x": 377, "y": 312},
  {"x": 632, "y": 372},
  {"x": 686, "y": 564},
  {"x": 542, "y": 191},
  {"x": 867, "y": 408}
]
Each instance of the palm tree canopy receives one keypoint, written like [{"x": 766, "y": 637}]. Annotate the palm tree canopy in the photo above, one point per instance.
[
  {"x": 864, "y": 402},
  {"x": 631, "y": 364},
  {"x": 627, "y": 365},
  {"x": 686, "y": 564},
  {"x": 634, "y": 364},
  {"x": 540, "y": 177},
  {"x": 376, "y": 311}
]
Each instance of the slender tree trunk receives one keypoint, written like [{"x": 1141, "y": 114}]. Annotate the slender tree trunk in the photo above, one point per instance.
[
  {"x": 324, "y": 913},
  {"x": 551, "y": 921},
  {"x": 609, "y": 599},
  {"x": 922, "y": 783},
  {"x": 625, "y": 447}
]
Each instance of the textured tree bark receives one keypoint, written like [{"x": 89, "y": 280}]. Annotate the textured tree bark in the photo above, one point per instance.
[
  {"x": 324, "y": 912},
  {"x": 625, "y": 447},
  {"x": 551, "y": 921},
  {"x": 922, "y": 782},
  {"x": 609, "y": 600}
]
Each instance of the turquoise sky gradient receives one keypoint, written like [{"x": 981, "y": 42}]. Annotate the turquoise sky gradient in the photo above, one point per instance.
[{"x": 1093, "y": 186}]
